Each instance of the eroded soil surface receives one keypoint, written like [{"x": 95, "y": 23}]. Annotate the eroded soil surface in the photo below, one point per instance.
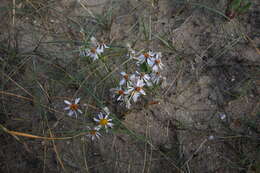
[{"x": 204, "y": 119}]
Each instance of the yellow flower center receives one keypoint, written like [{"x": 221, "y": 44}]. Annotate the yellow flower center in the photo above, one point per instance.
[
  {"x": 74, "y": 107},
  {"x": 103, "y": 121},
  {"x": 146, "y": 55},
  {"x": 138, "y": 89},
  {"x": 157, "y": 61},
  {"x": 93, "y": 50},
  {"x": 126, "y": 77},
  {"x": 120, "y": 92}
]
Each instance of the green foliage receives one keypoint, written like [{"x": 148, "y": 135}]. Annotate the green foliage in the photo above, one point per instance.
[
  {"x": 145, "y": 68},
  {"x": 240, "y": 6}
]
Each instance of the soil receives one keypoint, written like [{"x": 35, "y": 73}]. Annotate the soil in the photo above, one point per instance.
[{"x": 212, "y": 70}]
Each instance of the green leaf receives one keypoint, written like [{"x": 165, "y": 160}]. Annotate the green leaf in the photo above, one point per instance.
[
  {"x": 145, "y": 68},
  {"x": 244, "y": 8},
  {"x": 235, "y": 4}
]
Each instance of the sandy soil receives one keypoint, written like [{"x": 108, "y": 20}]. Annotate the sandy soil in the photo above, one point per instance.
[{"x": 212, "y": 70}]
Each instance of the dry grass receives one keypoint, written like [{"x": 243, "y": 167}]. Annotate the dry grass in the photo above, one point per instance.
[{"x": 212, "y": 68}]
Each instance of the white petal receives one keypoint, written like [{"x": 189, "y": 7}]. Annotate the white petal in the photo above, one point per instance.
[
  {"x": 70, "y": 113},
  {"x": 151, "y": 53},
  {"x": 150, "y": 62},
  {"x": 141, "y": 57},
  {"x": 122, "y": 82},
  {"x": 96, "y": 120},
  {"x": 100, "y": 50},
  {"x": 110, "y": 124},
  {"x": 88, "y": 53},
  {"x": 119, "y": 98},
  {"x": 133, "y": 77},
  {"x": 95, "y": 57},
  {"x": 130, "y": 89},
  {"x": 77, "y": 100},
  {"x": 140, "y": 83},
  {"x": 123, "y": 73},
  {"x": 135, "y": 96},
  {"x": 67, "y": 102},
  {"x": 128, "y": 105},
  {"x": 147, "y": 77},
  {"x": 155, "y": 68},
  {"x": 80, "y": 111},
  {"x": 159, "y": 55},
  {"x": 100, "y": 116},
  {"x": 142, "y": 92},
  {"x": 67, "y": 108},
  {"x": 162, "y": 64}
]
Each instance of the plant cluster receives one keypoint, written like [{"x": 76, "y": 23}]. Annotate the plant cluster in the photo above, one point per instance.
[
  {"x": 131, "y": 86},
  {"x": 102, "y": 119},
  {"x": 147, "y": 74}
]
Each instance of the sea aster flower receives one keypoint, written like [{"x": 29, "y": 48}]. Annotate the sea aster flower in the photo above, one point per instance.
[
  {"x": 93, "y": 133},
  {"x": 95, "y": 50},
  {"x": 125, "y": 78},
  {"x": 222, "y": 116},
  {"x": 103, "y": 121},
  {"x": 146, "y": 57},
  {"x": 119, "y": 93},
  {"x": 93, "y": 53},
  {"x": 73, "y": 107},
  {"x": 144, "y": 77},
  {"x": 156, "y": 77},
  {"x": 157, "y": 63},
  {"x": 136, "y": 90}
]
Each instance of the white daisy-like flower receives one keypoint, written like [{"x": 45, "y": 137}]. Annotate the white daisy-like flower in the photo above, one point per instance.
[
  {"x": 136, "y": 90},
  {"x": 222, "y": 116},
  {"x": 103, "y": 121},
  {"x": 95, "y": 50},
  {"x": 73, "y": 107},
  {"x": 144, "y": 77},
  {"x": 156, "y": 77},
  {"x": 119, "y": 93},
  {"x": 93, "y": 53},
  {"x": 93, "y": 133},
  {"x": 146, "y": 57},
  {"x": 125, "y": 79},
  {"x": 157, "y": 63}
]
